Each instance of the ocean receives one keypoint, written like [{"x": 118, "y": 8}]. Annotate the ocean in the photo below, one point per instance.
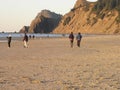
[{"x": 19, "y": 36}]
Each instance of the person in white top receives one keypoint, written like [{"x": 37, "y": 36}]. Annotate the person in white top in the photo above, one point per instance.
[{"x": 25, "y": 40}]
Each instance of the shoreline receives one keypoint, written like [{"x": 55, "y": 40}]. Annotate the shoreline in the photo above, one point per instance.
[{"x": 19, "y": 36}]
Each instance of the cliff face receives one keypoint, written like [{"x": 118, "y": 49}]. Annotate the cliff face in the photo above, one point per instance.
[
  {"x": 44, "y": 22},
  {"x": 101, "y": 17}
]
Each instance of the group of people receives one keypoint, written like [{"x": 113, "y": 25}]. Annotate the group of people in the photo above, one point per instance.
[
  {"x": 25, "y": 40},
  {"x": 71, "y": 37},
  {"x": 78, "y": 38}
]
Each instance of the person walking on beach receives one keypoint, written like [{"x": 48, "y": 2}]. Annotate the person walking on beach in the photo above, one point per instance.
[
  {"x": 33, "y": 36},
  {"x": 78, "y": 38},
  {"x": 71, "y": 37},
  {"x": 9, "y": 40},
  {"x": 25, "y": 40}
]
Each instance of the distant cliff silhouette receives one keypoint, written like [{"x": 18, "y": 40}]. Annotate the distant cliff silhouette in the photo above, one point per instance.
[
  {"x": 44, "y": 22},
  {"x": 101, "y": 17},
  {"x": 24, "y": 29}
]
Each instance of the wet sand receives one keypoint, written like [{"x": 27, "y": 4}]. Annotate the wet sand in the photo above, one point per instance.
[{"x": 50, "y": 64}]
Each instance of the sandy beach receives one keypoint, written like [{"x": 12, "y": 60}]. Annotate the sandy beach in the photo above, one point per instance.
[{"x": 50, "y": 64}]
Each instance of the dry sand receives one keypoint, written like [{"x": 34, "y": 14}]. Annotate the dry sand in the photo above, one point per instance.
[{"x": 50, "y": 64}]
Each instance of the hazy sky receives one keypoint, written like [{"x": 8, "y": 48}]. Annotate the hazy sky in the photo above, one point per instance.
[{"x": 14, "y": 14}]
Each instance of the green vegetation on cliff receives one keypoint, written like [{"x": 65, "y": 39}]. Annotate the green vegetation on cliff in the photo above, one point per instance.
[{"x": 106, "y": 5}]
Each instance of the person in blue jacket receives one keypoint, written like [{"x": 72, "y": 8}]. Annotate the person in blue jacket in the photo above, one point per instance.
[{"x": 78, "y": 38}]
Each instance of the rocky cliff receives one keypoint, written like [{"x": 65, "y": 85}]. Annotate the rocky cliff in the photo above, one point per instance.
[
  {"x": 44, "y": 22},
  {"x": 101, "y": 17}
]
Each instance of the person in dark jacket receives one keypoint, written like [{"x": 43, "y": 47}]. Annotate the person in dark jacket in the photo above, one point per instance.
[
  {"x": 25, "y": 40},
  {"x": 71, "y": 37},
  {"x": 78, "y": 38},
  {"x": 9, "y": 40}
]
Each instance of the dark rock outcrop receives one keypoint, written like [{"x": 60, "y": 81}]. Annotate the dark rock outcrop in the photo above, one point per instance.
[
  {"x": 24, "y": 29},
  {"x": 44, "y": 22}
]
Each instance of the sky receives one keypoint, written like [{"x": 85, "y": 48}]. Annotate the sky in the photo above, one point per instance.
[{"x": 14, "y": 14}]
